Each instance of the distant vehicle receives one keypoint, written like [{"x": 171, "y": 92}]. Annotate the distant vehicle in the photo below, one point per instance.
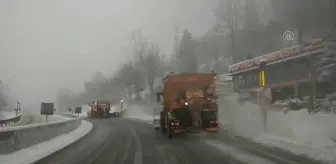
[
  {"x": 100, "y": 108},
  {"x": 189, "y": 103}
]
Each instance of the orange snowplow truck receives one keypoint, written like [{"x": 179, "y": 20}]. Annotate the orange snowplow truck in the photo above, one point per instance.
[
  {"x": 100, "y": 108},
  {"x": 189, "y": 103}
]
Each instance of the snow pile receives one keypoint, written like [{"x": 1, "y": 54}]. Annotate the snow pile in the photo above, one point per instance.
[
  {"x": 318, "y": 153},
  {"x": 296, "y": 128},
  {"x": 245, "y": 119},
  {"x": 317, "y": 129}
]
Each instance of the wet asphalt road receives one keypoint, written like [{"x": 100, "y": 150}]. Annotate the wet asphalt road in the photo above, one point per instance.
[
  {"x": 126, "y": 141},
  {"x": 123, "y": 141}
]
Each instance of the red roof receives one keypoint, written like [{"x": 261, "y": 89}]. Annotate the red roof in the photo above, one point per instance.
[{"x": 285, "y": 54}]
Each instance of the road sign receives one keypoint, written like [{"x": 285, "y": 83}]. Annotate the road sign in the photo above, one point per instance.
[
  {"x": 78, "y": 109},
  {"x": 47, "y": 108},
  {"x": 288, "y": 36}
]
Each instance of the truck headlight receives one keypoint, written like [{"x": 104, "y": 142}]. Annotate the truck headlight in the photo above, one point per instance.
[{"x": 185, "y": 103}]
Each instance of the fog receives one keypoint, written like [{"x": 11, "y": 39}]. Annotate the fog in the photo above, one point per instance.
[{"x": 48, "y": 44}]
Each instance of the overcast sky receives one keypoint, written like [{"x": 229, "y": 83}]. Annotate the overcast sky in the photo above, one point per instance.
[{"x": 48, "y": 44}]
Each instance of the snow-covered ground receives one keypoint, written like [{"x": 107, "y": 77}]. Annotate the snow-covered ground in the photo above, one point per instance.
[
  {"x": 30, "y": 118},
  {"x": 41, "y": 150},
  {"x": 293, "y": 131},
  {"x": 36, "y": 119}
]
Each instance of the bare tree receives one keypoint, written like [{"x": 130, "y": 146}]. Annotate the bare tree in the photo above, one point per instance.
[
  {"x": 148, "y": 59},
  {"x": 125, "y": 74},
  {"x": 229, "y": 18},
  {"x": 252, "y": 31},
  {"x": 153, "y": 64}
]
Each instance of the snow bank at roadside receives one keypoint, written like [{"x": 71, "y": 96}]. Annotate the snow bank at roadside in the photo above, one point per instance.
[
  {"x": 41, "y": 150},
  {"x": 327, "y": 154},
  {"x": 32, "y": 118},
  {"x": 246, "y": 119},
  {"x": 293, "y": 131}
]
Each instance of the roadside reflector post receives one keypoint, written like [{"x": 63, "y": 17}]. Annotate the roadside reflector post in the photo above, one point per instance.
[{"x": 262, "y": 94}]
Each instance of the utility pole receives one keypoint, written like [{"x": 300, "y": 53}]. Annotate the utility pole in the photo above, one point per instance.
[{"x": 312, "y": 81}]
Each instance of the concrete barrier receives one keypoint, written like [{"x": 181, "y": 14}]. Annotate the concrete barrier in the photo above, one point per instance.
[{"x": 19, "y": 137}]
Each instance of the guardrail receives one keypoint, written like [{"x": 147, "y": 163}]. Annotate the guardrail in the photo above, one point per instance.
[
  {"x": 19, "y": 137},
  {"x": 9, "y": 121}
]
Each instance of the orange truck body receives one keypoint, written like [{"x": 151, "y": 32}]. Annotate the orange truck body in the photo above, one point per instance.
[
  {"x": 100, "y": 108},
  {"x": 175, "y": 83},
  {"x": 202, "y": 96}
]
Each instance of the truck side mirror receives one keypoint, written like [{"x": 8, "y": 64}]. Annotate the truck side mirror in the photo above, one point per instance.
[{"x": 158, "y": 99}]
